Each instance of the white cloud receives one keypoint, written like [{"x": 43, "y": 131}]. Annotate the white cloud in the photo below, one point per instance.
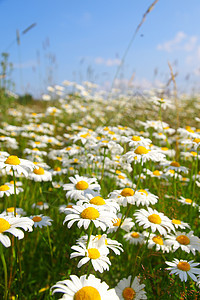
[
  {"x": 107, "y": 62},
  {"x": 181, "y": 41}
]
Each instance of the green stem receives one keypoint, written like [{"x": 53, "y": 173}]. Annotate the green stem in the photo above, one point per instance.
[
  {"x": 50, "y": 245},
  {"x": 5, "y": 273},
  {"x": 15, "y": 194}
]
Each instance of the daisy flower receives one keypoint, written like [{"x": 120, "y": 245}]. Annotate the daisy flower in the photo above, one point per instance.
[
  {"x": 186, "y": 241},
  {"x": 142, "y": 154},
  {"x": 41, "y": 221},
  {"x": 40, "y": 175},
  {"x": 183, "y": 269},
  {"x": 97, "y": 254},
  {"x": 155, "y": 220},
  {"x": 144, "y": 197},
  {"x": 97, "y": 200},
  {"x": 125, "y": 290},
  {"x": 41, "y": 205},
  {"x": 114, "y": 245},
  {"x": 157, "y": 241},
  {"x": 10, "y": 224},
  {"x": 80, "y": 186},
  {"x": 126, "y": 225},
  {"x": 180, "y": 224},
  {"x": 123, "y": 196},
  {"x": 136, "y": 141},
  {"x": 174, "y": 165},
  {"x": 85, "y": 287},
  {"x": 10, "y": 211},
  {"x": 134, "y": 237},
  {"x": 7, "y": 190},
  {"x": 19, "y": 165},
  {"x": 186, "y": 201},
  {"x": 87, "y": 213}
]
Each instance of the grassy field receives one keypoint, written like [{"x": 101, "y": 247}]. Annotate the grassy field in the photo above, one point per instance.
[{"x": 125, "y": 169}]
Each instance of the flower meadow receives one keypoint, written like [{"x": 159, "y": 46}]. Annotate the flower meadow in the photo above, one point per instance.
[{"x": 100, "y": 196}]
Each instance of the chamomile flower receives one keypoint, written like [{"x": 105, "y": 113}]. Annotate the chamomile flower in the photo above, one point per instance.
[
  {"x": 6, "y": 190},
  {"x": 126, "y": 225},
  {"x": 80, "y": 186},
  {"x": 85, "y": 287},
  {"x": 142, "y": 154},
  {"x": 97, "y": 200},
  {"x": 156, "y": 241},
  {"x": 144, "y": 197},
  {"x": 21, "y": 166},
  {"x": 87, "y": 213},
  {"x": 174, "y": 165},
  {"x": 127, "y": 290},
  {"x": 10, "y": 211},
  {"x": 123, "y": 196},
  {"x": 134, "y": 237},
  {"x": 114, "y": 245},
  {"x": 40, "y": 175},
  {"x": 40, "y": 205},
  {"x": 186, "y": 241},
  {"x": 153, "y": 219},
  {"x": 136, "y": 141},
  {"x": 186, "y": 201},
  {"x": 97, "y": 254},
  {"x": 10, "y": 224},
  {"x": 41, "y": 221},
  {"x": 183, "y": 268},
  {"x": 179, "y": 224}
]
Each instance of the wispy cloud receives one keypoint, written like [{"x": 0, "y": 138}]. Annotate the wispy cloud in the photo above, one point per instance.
[
  {"x": 107, "y": 62},
  {"x": 181, "y": 41}
]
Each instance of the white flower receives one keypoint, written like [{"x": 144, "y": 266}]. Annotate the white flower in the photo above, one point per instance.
[
  {"x": 183, "y": 269},
  {"x": 134, "y": 237},
  {"x": 144, "y": 197},
  {"x": 40, "y": 175},
  {"x": 17, "y": 164},
  {"x": 84, "y": 287},
  {"x": 87, "y": 213},
  {"x": 41, "y": 205},
  {"x": 80, "y": 186},
  {"x": 186, "y": 241},
  {"x": 97, "y": 254},
  {"x": 155, "y": 220},
  {"x": 9, "y": 224},
  {"x": 126, "y": 290},
  {"x": 126, "y": 225},
  {"x": 142, "y": 154},
  {"x": 40, "y": 220}
]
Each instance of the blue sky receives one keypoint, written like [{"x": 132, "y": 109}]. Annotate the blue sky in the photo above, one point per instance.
[{"x": 85, "y": 40}]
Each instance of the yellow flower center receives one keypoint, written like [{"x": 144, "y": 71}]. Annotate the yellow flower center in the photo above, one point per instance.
[
  {"x": 40, "y": 203},
  {"x": 127, "y": 192},
  {"x": 183, "y": 239},
  {"x": 156, "y": 173},
  {"x": 36, "y": 219},
  {"x": 118, "y": 172},
  {"x": 193, "y": 153},
  {"x": 12, "y": 182},
  {"x": 4, "y": 187},
  {"x": 157, "y": 239},
  {"x": 141, "y": 150},
  {"x": 183, "y": 266},
  {"x": 87, "y": 293},
  {"x": 196, "y": 140},
  {"x": 135, "y": 235},
  {"x": 82, "y": 185},
  {"x": 4, "y": 225},
  {"x": 164, "y": 148},
  {"x": 93, "y": 253},
  {"x": 10, "y": 209},
  {"x": 121, "y": 177},
  {"x": 117, "y": 223},
  {"x": 106, "y": 129},
  {"x": 57, "y": 169},
  {"x": 85, "y": 135},
  {"x": 12, "y": 160},
  {"x": 154, "y": 218},
  {"x": 136, "y": 138},
  {"x": 143, "y": 192},
  {"x": 128, "y": 293},
  {"x": 172, "y": 171},
  {"x": 39, "y": 171},
  {"x": 175, "y": 164},
  {"x": 90, "y": 213},
  {"x": 174, "y": 221},
  {"x": 188, "y": 200},
  {"x": 97, "y": 201},
  {"x": 35, "y": 149}
]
